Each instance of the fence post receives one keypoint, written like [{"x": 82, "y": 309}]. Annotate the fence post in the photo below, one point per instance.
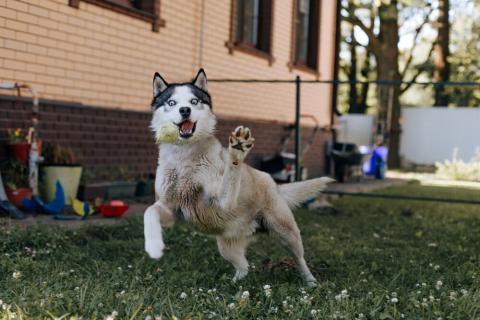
[{"x": 297, "y": 129}]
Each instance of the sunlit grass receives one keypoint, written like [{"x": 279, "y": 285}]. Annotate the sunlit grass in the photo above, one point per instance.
[{"x": 373, "y": 259}]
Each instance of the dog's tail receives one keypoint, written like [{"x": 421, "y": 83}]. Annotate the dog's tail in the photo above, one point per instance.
[{"x": 298, "y": 192}]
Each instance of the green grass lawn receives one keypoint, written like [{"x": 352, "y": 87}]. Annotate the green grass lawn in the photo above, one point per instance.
[{"x": 372, "y": 262}]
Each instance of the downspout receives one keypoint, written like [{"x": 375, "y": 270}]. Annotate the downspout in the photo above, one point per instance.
[
  {"x": 201, "y": 34},
  {"x": 334, "y": 110},
  {"x": 338, "y": 20}
]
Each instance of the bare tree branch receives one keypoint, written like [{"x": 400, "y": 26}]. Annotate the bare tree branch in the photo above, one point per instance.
[
  {"x": 420, "y": 70},
  {"x": 355, "y": 21},
  {"x": 415, "y": 38}
]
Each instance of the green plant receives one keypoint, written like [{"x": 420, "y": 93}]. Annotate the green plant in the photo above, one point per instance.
[
  {"x": 458, "y": 169},
  {"x": 15, "y": 174},
  {"x": 16, "y": 136},
  {"x": 55, "y": 154},
  {"x": 88, "y": 175},
  {"x": 120, "y": 173}
]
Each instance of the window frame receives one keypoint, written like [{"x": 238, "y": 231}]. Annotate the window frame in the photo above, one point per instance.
[
  {"x": 233, "y": 45},
  {"x": 152, "y": 17},
  {"x": 302, "y": 66}
]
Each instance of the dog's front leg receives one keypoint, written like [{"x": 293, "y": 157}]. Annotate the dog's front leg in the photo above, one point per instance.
[
  {"x": 155, "y": 216},
  {"x": 240, "y": 143}
]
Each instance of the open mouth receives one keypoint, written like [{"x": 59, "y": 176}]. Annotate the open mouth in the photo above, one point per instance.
[{"x": 186, "y": 128}]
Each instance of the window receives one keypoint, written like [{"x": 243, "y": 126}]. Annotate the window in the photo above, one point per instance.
[
  {"x": 251, "y": 27},
  {"x": 306, "y": 32},
  {"x": 148, "y": 10}
]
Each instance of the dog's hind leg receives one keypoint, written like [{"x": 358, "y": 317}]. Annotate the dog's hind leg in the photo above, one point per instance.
[
  {"x": 155, "y": 216},
  {"x": 240, "y": 143},
  {"x": 280, "y": 222},
  {"x": 233, "y": 250}
]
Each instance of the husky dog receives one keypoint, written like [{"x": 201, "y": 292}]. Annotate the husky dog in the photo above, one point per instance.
[{"x": 211, "y": 187}]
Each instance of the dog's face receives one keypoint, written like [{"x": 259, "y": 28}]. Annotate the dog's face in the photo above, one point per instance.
[{"x": 187, "y": 105}]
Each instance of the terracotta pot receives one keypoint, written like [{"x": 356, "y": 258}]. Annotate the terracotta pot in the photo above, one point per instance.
[
  {"x": 19, "y": 151},
  {"x": 16, "y": 196}
]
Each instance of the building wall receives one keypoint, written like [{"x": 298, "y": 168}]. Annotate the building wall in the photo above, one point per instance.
[
  {"x": 93, "y": 69},
  {"x": 105, "y": 139},
  {"x": 96, "y": 56}
]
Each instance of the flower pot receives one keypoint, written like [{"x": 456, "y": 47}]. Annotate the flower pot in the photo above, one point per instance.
[
  {"x": 19, "y": 151},
  {"x": 69, "y": 177},
  {"x": 121, "y": 190},
  {"x": 16, "y": 196}
]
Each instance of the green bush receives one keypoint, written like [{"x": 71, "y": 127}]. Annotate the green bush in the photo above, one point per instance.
[{"x": 457, "y": 169}]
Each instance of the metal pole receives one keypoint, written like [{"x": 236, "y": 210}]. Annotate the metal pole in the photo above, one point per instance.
[{"x": 297, "y": 130}]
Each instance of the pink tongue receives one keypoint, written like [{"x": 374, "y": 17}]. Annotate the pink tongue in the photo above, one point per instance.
[{"x": 186, "y": 126}]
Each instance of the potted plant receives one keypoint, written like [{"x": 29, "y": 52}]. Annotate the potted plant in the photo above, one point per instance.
[
  {"x": 60, "y": 163},
  {"x": 17, "y": 144},
  {"x": 15, "y": 175},
  {"x": 122, "y": 185}
]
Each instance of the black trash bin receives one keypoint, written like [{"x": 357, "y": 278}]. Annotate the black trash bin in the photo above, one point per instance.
[{"x": 345, "y": 156}]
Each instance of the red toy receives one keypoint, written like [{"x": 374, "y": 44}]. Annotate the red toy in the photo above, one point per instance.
[{"x": 114, "y": 209}]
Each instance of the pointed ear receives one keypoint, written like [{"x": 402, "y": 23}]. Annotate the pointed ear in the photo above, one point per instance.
[
  {"x": 159, "y": 84},
  {"x": 201, "y": 80}
]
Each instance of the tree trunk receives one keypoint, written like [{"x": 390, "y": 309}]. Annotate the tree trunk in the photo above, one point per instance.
[
  {"x": 352, "y": 77},
  {"x": 387, "y": 69},
  {"x": 442, "y": 66},
  {"x": 365, "y": 86}
]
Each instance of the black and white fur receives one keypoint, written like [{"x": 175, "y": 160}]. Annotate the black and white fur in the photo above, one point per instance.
[{"x": 211, "y": 187}]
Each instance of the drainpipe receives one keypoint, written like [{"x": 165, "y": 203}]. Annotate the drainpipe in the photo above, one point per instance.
[
  {"x": 202, "y": 32},
  {"x": 334, "y": 110}
]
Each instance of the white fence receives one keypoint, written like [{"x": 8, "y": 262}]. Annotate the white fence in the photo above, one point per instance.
[
  {"x": 432, "y": 134},
  {"x": 356, "y": 128}
]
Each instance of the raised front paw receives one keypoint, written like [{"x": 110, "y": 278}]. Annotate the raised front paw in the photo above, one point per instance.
[{"x": 240, "y": 143}]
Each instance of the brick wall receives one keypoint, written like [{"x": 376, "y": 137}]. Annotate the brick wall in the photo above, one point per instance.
[
  {"x": 105, "y": 138},
  {"x": 96, "y": 56}
]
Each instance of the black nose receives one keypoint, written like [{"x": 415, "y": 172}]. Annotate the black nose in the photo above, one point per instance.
[{"x": 185, "y": 112}]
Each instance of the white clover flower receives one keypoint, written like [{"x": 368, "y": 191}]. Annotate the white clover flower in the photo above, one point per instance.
[
  {"x": 313, "y": 312},
  {"x": 424, "y": 284},
  {"x": 129, "y": 266},
  {"x": 436, "y": 267},
  {"x": 453, "y": 295},
  {"x": 267, "y": 290},
  {"x": 245, "y": 295},
  {"x": 183, "y": 295},
  {"x": 464, "y": 292},
  {"x": 438, "y": 285},
  {"x": 274, "y": 309},
  {"x": 16, "y": 274},
  {"x": 394, "y": 300},
  {"x": 149, "y": 317},
  {"x": 231, "y": 306},
  {"x": 342, "y": 296}
]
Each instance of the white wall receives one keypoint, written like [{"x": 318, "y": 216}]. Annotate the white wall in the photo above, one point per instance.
[
  {"x": 431, "y": 134},
  {"x": 356, "y": 128}
]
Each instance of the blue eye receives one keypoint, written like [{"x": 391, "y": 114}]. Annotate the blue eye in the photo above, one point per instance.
[
  {"x": 194, "y": 101},
  {"x": 171, "y": 103}
]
